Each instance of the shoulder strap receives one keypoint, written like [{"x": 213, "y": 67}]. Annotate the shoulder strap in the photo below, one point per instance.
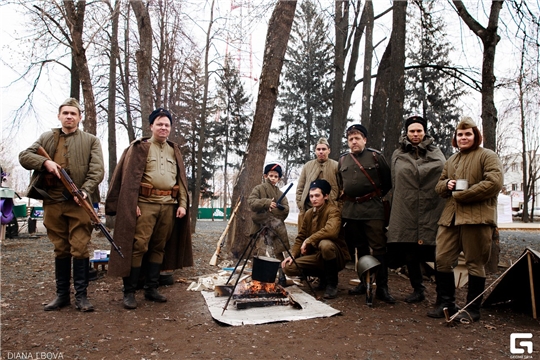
[{"x": 365, "y": 172}]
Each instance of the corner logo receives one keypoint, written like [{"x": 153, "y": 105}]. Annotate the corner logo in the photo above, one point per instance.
[{"x": 518, "y": 347}]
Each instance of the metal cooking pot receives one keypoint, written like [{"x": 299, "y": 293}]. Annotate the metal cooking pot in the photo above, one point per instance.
[{"x": 265, "y": 269}]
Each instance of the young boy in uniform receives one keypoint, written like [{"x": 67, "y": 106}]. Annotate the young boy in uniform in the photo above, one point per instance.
[{"x": 267, "y": 212}]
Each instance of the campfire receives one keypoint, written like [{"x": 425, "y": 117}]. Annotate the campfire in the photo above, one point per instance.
[
  {"x": 251, "y": 294},
  {"x": 260, "y": 294}
]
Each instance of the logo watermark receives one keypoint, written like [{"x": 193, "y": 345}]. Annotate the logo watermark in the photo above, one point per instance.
[
  {"x": 41, "y": 355},
  {"x": 518, "y": 347}
]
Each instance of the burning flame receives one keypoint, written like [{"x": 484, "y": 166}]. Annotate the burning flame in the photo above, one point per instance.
[{"x": 256, "y": 287}]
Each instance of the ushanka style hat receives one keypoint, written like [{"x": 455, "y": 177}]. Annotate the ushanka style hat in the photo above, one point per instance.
[
  {"x": 273, "y": 167},
  {"x": 321, "y": 184},
  {"x": 356, "y": 127},
  {"x": 157, "y": 113}
]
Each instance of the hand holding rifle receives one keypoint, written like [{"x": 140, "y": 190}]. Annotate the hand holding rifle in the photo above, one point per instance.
[{"x": 79, "y": 196}]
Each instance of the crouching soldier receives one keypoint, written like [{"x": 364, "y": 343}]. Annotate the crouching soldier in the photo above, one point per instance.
[{"x": 319, "y": 250}]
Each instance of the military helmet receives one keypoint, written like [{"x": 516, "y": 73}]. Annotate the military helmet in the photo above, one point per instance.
[{"x": 366, "y": 263}]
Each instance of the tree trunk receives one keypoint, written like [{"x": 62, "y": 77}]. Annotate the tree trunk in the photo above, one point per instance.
[
  {"x": 341, "y": 25},
  {"x": 368, "y": 57},
  {"x": 489, "y": 39},
  {"x": 75, "y": 83},
  {"x": 75, "y": 22},
  {"x": 144, "y": 62},
  {"x": 397, "y": 79},
  {"x": 279, "y": 29},
  {"x": 111, "y": 105},
  {"x": 377, "y": 120}
]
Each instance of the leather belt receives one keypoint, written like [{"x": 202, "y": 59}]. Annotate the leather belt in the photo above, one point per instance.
[
  {"x": 148, "y": 192},
  {"x": 361, "y": 199}
]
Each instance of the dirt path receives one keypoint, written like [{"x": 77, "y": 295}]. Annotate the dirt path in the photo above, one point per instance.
[{"x": 183, "y": 328}]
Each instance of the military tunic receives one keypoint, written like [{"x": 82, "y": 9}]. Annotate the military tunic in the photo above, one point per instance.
[{"x": 363, "y": 222}]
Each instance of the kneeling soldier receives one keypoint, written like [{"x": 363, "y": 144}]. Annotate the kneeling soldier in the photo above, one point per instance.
[{"x": 319, "y": 250}]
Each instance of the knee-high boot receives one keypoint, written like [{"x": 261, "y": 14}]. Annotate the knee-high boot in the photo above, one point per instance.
[
  {"x": 62, "y": 270},
  {"x": 130, "y": 286},
  {"x": 80, "y": 282},
  {"x": 417, "y": 282},
  {"x": 381, "y": 292},
  {"x": 331, "y": 275},
  {"x": 152, "y": 282},
  {"x": 446, "y": 289},
  {"x": 475, "y": 288}
]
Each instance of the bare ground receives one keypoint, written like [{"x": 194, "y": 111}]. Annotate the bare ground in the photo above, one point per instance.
[{"x": 182, "y": 328}]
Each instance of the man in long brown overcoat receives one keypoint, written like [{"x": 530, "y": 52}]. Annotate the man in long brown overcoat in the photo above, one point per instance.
[{"x": 148, "y": 195}]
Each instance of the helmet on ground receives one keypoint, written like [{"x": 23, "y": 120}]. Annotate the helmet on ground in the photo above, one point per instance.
[{"x": 366, "y": 263}]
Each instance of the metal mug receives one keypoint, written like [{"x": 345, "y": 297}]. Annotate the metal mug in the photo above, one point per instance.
[{"x": 461, "y": 184}]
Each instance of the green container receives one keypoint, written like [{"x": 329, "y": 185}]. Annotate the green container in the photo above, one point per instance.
[{"x": 19, "y": 211}]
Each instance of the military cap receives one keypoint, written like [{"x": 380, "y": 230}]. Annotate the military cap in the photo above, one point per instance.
[
  {"x": 157, "y": 113},
  {"x": 357, "y": 127},
  {"x": 273, "y": 167},
  {"x": 416, "y": 119},
  {"x": 321, "y": 184}
]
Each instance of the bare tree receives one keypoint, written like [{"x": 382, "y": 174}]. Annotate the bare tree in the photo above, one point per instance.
[
  {"x": 489, "y": 37},
  {"x": 144, "y": 60},
  {"x": 387, "y": 110},
  {"x": 277, "y": 37}
]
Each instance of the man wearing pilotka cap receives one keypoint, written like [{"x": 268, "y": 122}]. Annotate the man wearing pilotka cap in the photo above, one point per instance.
[
  {"x": 148, "y": 193},
  {"x": 364, "y": 177},
  {"x": 320, "y": 168}
]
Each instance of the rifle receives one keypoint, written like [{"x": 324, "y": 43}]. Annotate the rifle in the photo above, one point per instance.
[
  {"x": 221, "y": 241},
  {"x": 72, "y": 188},
  {"x": 278, "y": 202}
]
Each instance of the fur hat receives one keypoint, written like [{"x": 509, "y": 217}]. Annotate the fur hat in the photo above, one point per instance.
[
  {"x": 157, "y": 113},
  {"x": 357, "y": 127},
  {"x": 321, "y": 184},
  {"x": 273, "y": 167},
  {"x": 415, "y": 119}
]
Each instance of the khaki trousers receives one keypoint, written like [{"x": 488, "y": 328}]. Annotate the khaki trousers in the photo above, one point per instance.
[
  {"x": 473, "y": 240},
  {"x": 154, "y": 227},
  {"x": 313, "y": 264},
  {"x": 69, "y": 229}
]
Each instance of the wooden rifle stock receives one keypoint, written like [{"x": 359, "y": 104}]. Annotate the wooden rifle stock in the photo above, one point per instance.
[
  {"x": 76, "y": 192},
  {"x": 213, "y": 260}
]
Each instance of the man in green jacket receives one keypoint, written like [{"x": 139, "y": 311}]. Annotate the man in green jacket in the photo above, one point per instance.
[
  {"x": 470, "y": 182},
  {"x": 68, "y": 226},
  {"x": 319, "y": 249}
]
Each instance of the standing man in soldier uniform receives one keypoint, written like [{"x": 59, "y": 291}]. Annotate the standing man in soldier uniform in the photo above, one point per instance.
[
  {"x": 320, "y": 168},
  {"x": 364, "y": 177},
  {"x": 68, "y": 225},
  {"x": 148, "y": 194}
]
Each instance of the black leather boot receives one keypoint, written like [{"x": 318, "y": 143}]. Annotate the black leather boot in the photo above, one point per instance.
[
  {"x": 447, "y": 294},
  {"x": 475, "y": 288},
  {"x": 80, "y": 282},
  {"x": 415, "y": 277},
  {"x": 130, "y": 286},
  {"x": 152, "y": 282},
  {"x": 381, "y": 279},
  {"x": 331, "y": 275},
  {"x": 62, "y": 270}
]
